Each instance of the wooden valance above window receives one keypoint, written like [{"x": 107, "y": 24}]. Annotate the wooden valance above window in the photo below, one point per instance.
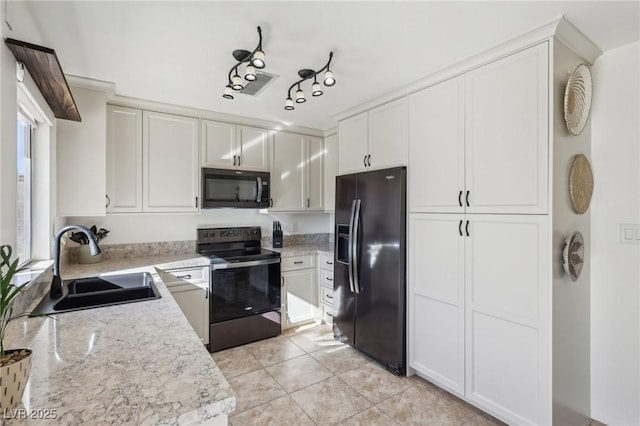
[{"x": 45, "y": 69}]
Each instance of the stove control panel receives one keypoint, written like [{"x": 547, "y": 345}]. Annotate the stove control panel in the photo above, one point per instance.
[{"x": 228, "y": 235}]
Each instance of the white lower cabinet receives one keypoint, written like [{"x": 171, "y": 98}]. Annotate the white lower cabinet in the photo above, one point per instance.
[
  {"x": 479, "y": 310},
  {"x": 436, "y": 340},
  {"x": 325, "y": 294},
  {"x": 190, "y": 289},
  {"x": 299, "y": 290}
]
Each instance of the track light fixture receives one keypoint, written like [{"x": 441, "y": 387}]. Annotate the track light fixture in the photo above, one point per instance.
[
  {"x": 316, "y": 89},
  {"x": 255, "y": 60}
]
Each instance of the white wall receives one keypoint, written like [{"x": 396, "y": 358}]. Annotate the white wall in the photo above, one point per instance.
[
  {"x": 23, "y": 28},
  {"x": 138, "y": 228},
  {"x": 571, "y": 400},
  {"x": 615, "y": 268}
]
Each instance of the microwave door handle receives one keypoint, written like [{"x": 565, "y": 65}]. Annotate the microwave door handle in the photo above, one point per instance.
[{"x": 259, "y": 189}]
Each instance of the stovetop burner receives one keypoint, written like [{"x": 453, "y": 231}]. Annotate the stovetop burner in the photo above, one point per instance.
[{"x": 232, "y": 244}]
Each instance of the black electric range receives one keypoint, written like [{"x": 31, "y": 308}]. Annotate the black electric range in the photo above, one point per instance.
[{"x": 245, "y": 298}]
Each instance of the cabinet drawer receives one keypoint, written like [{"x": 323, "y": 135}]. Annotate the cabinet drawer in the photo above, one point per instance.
[
  {"x": 326, "y": 278},
  {"x": 298, "y": 262},
  {"x": 326, "y": 260},
  {"x": 327, "y": 313},
  {"x": 191, "y": 275},
  {"x": 327, "y": 295}
]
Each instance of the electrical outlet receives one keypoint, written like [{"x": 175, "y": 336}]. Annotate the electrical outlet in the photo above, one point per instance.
[
  {"x": 629, "y": 233},
  {"x": 294, "y": 227}
]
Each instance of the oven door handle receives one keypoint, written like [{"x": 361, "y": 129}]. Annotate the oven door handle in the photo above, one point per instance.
[{"x": 232, "y": 265}]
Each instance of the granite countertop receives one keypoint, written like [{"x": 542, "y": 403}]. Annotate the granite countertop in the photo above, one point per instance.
[{"x": 136, "y": 363}]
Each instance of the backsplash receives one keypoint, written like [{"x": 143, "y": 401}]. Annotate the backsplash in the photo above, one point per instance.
[
  {"x": 300, "y": 240},
  {"x": 120, "y": 251}
]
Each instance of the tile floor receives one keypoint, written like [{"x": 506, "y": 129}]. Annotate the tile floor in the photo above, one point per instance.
[{"x": 305, "y": 377}]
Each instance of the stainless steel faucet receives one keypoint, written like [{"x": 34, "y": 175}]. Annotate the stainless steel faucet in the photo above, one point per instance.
[{"x": 56, "y": 283}]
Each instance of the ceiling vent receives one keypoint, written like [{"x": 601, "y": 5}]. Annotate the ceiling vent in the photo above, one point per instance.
[{"x": 255, "y": 87}]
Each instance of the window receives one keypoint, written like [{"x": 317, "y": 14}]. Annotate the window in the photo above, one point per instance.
[{"x": 23, "y": 240}]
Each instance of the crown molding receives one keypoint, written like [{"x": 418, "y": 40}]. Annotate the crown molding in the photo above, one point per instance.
[
  {"x": 559, "y": 28},
  {"x": 88, "y": 83}
]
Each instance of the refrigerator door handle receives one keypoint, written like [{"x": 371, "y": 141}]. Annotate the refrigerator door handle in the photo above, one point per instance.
[
  {"x": 354, "y": 244},
  {"x": 350, "y": 248}
]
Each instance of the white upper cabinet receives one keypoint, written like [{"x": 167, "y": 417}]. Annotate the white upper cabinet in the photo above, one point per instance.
[
  {"x": 436, "y": 140},
  {"x": 479, "y": 142},
  {"x": 315, "y": 172},
  {"x": 231, "y": 146},
  {"x": 353, "y": 144},
  {"x": 507, "y": 134},
  {"x": 296, "y": 172},
  {"x": 288, "y": 180},
  {"x": 388, "y": 135},
  {"x": 218, "y": 144},
  {"x": 252, "y": 148},
  {"x": 124, "y": 159},
  {"x": 330, "y": 171},
  {"x": 170, "y": 163},
  {"x": 375, "y": 139},
  {"x": 81, "y": 152}
]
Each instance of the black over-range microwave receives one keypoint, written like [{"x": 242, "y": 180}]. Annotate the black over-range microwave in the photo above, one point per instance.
[{"x": 234, "y": 188}]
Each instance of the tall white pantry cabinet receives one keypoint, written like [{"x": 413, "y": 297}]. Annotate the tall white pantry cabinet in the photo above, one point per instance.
[{"x": 488, "y": 214}]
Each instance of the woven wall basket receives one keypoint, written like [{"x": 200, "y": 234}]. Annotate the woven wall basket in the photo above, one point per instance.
[{"x": 580, "y": 184}]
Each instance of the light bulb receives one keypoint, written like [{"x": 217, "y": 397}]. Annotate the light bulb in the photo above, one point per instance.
[
  {"x": 228, "y": 92},
  {"x": 316, "y": 90},
  {"x": 237, "y": 82},
  {"x": 329, "y": 80},
  {"x": 288, "y": 105},
  {"x": 258, "y": 59},
  {"x": 250, "y": 73},
  {"x": 300, "y": 96}
]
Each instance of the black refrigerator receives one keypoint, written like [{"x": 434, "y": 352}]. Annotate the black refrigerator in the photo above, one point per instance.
[{"x": 369, "y": 269}]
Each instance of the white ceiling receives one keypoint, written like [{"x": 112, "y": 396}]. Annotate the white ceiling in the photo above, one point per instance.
[{"x": 180, "y": 52}]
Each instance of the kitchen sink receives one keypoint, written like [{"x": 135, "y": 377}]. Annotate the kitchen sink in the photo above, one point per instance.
[{"x": 95, "y": 292}]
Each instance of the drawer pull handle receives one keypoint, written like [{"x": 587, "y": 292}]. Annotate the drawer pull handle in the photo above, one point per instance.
[
  {"x": 184, "y": 277},
  {"x": 329, "y": 314},
  {"x": 329, "y": 297},
  {"x": 328, "y": 279},
  {"x": 329, "y": 263},
  {"x": 298, "y": 262}
]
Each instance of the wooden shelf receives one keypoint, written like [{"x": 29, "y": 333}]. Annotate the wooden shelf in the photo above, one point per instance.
[{"x": 45, "y": 69}]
